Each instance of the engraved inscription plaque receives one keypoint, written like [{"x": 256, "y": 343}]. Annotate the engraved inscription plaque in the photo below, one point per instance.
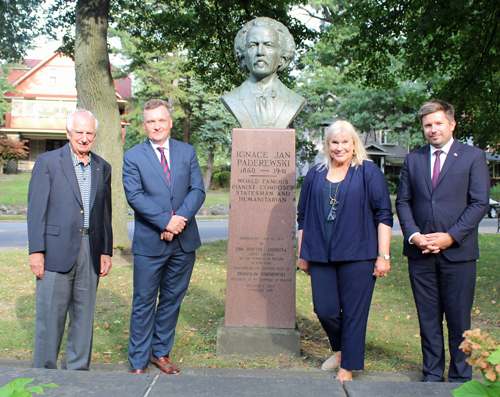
[{"x": 261, "y": 250}]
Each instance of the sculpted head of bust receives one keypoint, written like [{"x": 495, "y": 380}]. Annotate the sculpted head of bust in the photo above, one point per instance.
[{"x": 263, "y": 47}]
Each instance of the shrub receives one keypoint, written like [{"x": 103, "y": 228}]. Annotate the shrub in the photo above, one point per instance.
[
  {"x": 222, "y": 179},
  {"x": 392, "y": 183},
  {"x": 495, "y": 192},
  {"x": 300, "y": 181}
]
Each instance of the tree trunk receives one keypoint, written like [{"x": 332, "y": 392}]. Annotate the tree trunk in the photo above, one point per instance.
[
  {"x": 96, "y": 92},
  {"x": 209, "y": 169}
]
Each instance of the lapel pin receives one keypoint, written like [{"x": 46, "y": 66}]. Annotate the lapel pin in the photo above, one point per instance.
[{"x": 455, "y": 154}]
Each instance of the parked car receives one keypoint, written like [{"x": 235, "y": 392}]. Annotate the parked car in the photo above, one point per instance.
[{"x": 494, "y": 209}]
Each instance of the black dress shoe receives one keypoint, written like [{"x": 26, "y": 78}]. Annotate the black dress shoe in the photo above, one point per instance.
[{"x": 433, "y": 381}]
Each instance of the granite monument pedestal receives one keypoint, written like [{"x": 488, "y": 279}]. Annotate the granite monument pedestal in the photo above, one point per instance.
[{"x": 260, "y": 289}]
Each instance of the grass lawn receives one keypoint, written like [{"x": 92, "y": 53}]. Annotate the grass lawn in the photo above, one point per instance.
[
  {"x": 14, "y": 189},
  {"x": 393, "y": 342}
]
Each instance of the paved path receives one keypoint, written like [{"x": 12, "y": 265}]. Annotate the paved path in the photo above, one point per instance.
[
  {"x": 114, "y": 380},
  {"x": 14, "y": 234}
]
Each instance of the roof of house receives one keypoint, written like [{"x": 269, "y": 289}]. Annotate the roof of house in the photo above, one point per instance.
[{"x": 123, "y": 87}]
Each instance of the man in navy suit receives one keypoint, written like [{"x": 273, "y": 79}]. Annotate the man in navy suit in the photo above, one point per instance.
[
  {"x": 164, "y": 186},
  {"x": 70, "y": 242},
  {"x": 443, "y": 195}
]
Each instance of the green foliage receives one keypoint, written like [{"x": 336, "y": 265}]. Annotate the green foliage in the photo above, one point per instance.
[
  {"x": 206, "y": 29},
  {"x": 300, "y": 181},
  {"x": 495, "y": 192},
  {"x": 452, "y": 47},
  {"x": 392, "y": 183},
  {"x": 327, "y": 81},
  {"x": 17, "y": 388},
  {"x": 305, "y": 149},
  {"x": 477, "y": 389},
  {"x": 222, "y": 179},
  {"x": 4, "y": 88},
  {"x": 17, "y": 27}
]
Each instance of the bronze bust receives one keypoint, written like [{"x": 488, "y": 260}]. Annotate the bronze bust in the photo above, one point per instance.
[{"x": 264, "y": 47}]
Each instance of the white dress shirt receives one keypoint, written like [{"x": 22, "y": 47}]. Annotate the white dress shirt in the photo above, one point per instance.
[
  {"x": 442, "y": 156},
  {"x": 166, "y": 147}
]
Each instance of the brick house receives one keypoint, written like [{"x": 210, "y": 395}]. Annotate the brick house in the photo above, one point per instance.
[{"x": 44, "y": 95}]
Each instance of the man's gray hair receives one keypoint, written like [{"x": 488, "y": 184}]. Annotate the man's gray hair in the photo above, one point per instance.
[
  {"x": 286, "y": 44},
  {"x": 69, "y": 120},
  {"x": 435, "y": 105},
  {"x": 153, "y": 104}
]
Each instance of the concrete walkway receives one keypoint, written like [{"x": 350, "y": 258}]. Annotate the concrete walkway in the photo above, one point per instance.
[{"x": 114, "y": 380}]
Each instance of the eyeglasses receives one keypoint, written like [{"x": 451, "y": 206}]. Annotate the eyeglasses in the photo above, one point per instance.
[{"x": 79, "y": 135}]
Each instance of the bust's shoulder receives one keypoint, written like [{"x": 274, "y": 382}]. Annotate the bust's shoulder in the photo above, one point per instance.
[{"x": 232, "y": 94}]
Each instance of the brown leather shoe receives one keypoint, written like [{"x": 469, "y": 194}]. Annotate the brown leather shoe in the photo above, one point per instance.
[
  {"x": 139, "y": 371},
  {"x": 166, "y": 365}
]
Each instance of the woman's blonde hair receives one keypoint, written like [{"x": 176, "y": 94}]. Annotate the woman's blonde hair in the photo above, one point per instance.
[{"x": 343, "y": 128}]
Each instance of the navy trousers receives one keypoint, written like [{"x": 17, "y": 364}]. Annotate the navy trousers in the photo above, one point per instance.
[
  {"x": 443, "y": 287},
  {"x": 342, "y": 294},
  {"x": 152, "y": 326}
]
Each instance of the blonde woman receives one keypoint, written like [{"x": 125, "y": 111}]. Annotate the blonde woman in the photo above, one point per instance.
[{"x": 345, "y": 222}]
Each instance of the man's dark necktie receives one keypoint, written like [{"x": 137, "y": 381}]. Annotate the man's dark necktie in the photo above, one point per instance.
[
  {"x": 164, "y": 163},
  {"x": 435, "y": 176},
  {"x": 437, "y": 168}
]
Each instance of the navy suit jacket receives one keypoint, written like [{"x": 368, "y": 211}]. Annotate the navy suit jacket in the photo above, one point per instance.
[
  {"x": 55, "y": 210},
  {"x": 364, "y": 203},
  {"x": 459, "y": 201},
  {"x": 153, "y": 200}
]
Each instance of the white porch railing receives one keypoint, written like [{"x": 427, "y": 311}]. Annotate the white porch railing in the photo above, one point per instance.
[{"x": 39, "y": 109}]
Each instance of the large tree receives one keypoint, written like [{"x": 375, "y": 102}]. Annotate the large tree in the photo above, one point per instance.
[
  {"x": 453, "y": 46},
  {"x": 334, "y": 91},
  {"x": 96, "y": 92}
]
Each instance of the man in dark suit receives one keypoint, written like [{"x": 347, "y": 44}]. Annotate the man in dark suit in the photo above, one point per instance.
[
  {"x": 263, "y": 48},
  {"x": 164, "y": 186},
  {"x": 442, "y": 196},
  {"x": 70, "y": 242}
]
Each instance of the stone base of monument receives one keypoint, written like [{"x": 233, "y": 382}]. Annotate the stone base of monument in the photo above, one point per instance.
[{"x": 257, "y": 341}]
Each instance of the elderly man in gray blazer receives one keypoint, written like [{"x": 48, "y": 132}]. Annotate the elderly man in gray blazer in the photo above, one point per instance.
[{"x": 70, "y": 242}]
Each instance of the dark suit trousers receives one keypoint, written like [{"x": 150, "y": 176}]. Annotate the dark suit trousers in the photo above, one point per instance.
[
  {"x": 152, "y": 326},
  {"x": 443, "y": 287},
  {"x": 342, "y": 294}
]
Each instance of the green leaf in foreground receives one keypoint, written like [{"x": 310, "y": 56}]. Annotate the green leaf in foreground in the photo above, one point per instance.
[
  {"x": 494, "y": 358},
  {"x": 17, "y": 388},
  {"x": 475, "y": 388}
]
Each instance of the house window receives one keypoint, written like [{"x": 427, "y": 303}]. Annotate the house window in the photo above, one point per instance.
[
  {"x": 62, "y": 76},
  {"x": 53, "y": 144},
  {"x": 37, "y": 146},
  {"x": 382, "y": 137}
]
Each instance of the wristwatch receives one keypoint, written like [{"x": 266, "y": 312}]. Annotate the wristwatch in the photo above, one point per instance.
[{"x": 385, "y": 256}]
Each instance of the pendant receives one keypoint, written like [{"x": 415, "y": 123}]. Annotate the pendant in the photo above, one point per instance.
[{"x": 333, "y": 213}]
